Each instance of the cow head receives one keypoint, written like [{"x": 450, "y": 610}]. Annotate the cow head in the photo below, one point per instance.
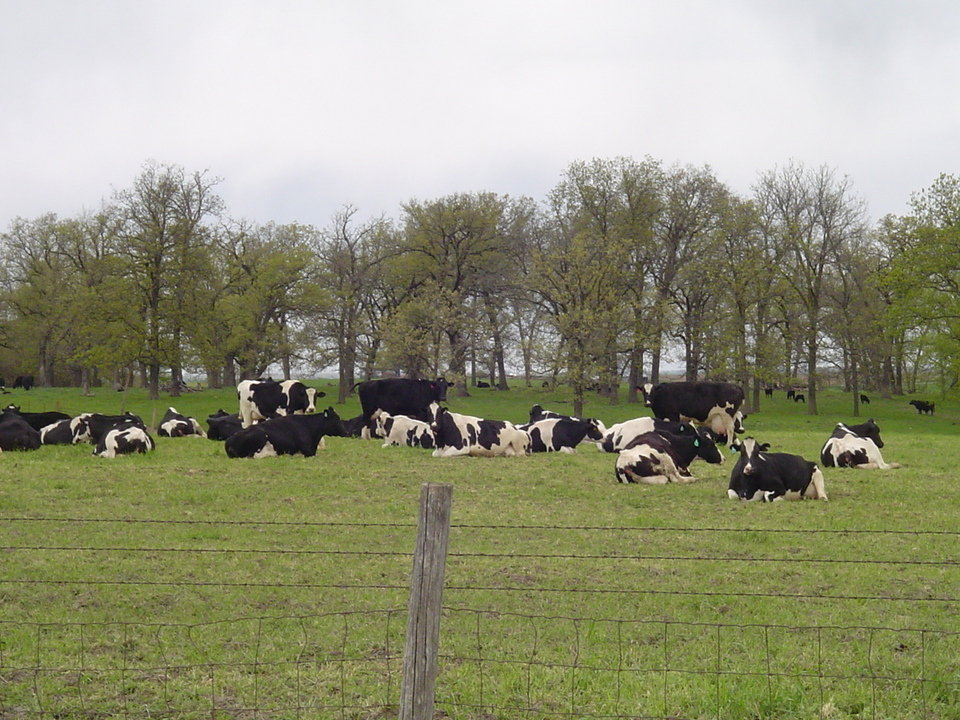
[
  {"x": 12, "y": 408},
  {"x": 595, "y": 429},
  {"x": 440, "y": 386},
  {"x": 748, "y": 467},
  {"x": 871, "y": 430},
  {"x": 647, "y": 390},
  {"x": 334, "y": 425},
  {"x": 312, "y": 399},
  {"x": 706, "y": 446}
]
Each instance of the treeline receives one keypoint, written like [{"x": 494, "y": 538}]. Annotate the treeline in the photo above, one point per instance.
[{"x": 623, "y": 265}]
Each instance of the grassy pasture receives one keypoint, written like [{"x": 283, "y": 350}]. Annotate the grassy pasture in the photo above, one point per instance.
[{"x": 183, "y": 584}]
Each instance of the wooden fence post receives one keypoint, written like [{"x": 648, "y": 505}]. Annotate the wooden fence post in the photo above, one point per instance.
[{"x": 426, "y": 588}]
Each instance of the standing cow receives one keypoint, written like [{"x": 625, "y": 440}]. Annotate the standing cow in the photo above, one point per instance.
[
  {"x": 401, "y": 396},
  {"x": 713, "y": 404}
]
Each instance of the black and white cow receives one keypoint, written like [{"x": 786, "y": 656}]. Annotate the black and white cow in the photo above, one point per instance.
[
  {"x": 537, "y": 413},
  {"x": 221, "y": 425},
  {"x": 124, "y": 440},
  {"x": 289, "y": 435},
  {"x": 38, "y": 420},
  {"x": 64, "y": 432},
  {"x": 713, "y": 404},
  {"x": 23, "y": 381},
  {"x": 457, "y": 435},
  {"x": 16, "y": 433},
  {"x": 264, "y": 399},
  {"x": 766, "y": 476},
  {"x": 855, "y": 446},
  {"x": 658, "y": 458},
  {"x": 619, "y": 436},
  {"x": 401, "y": 396},
  {"x": 94, "y": 426},
  {"x": 403, "y": 430},
  {"x": 173, "y": 424},
  {"x": 561, "y": 434},
  {"x": 923, "y": 406}
]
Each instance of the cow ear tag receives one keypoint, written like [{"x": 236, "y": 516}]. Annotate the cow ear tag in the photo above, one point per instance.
[{"x": 696, "y": 443}]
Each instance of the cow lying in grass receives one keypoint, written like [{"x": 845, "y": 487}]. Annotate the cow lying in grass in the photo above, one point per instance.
[
  {"x": 290, "y": 435},
  {"x": 403, "y": 430},
  {"x": 855, "y": 446},
  {"x": 658, "y": 458},
  {"x": 766, "y": 476},
  {"x": 458, "y": 435}
]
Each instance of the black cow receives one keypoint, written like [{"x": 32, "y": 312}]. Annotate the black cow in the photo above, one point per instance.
[
  {"x": 222, "y": 424},
  {"x": 923, "y": 406},
  {"x": 457, "y": 435},
  {"x": 482, "y": 384},
  {"x": 124, "y": 439},
  {"x": 94, "y": 426},
  {"x": 263, "y": 399},
  {"x": 173, "y": 424},
  {"x": 657, "y": 458},
  {"x": 355, "y": 425},
  {"x": 16, "y": 433},
  {"x": 290, "y": 435},
  {"x": 714, "y": 404},
  {"x": 864, "y": 400},
  {"x": 855, "y": 446},
  {"x": 39, "y": 420},
  {"x": 23, "y": 381},
  {"x": 799, "y": 397},
  {"x": 791, "y": 393},
  {"x": 768, "y": 392},
  {"x": 768, "y": 476},
  {"x": 561, "y": 434},
  {"x": 401, "y": 396}
]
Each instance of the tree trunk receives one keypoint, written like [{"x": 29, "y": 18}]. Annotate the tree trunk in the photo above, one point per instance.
[
  {"x": 812, "y": 372},
  {"x": 635, "y": 377},
  {"x": 153, "y": 386}
]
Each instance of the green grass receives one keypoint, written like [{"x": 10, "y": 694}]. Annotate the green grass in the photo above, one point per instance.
[{"x": 277, "y": 588}]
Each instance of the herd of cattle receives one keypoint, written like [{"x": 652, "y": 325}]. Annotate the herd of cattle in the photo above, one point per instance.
[{"x": 690, "y": 420}]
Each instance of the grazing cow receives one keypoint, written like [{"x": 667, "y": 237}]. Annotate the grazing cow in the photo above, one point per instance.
[
  {"x": 290, "y": 435},
  {"x": 923, "y": 406},
  {"x": 173, "y": 424},
  {"x": 482, "y": 384},
  {"x": 222, "y": 424},
  {"x": 864, "y": 399},
  {"x": 16, "y": 433},
  {"x": 799, "y": 397},
  {"x": 403, "y": 430},
  {"x": 124, "y": 440},
  {"x": 23, "y": 381},
  {"x": 855, "y": 446},
  {"x": 457, "y": 435},
  {"x": 94, "y": 426},
  {"x": 39, "y": 420},
  {"x": 561, "y": 434},
  {"x": 714, "y": 404},
  {"x": 620, "y": 435},
  {"x": 264, "y": 399},
  {"x": 658, "y": 458},
  {"x": 401, "y": 396},
  {"x": 766, "y": 476},
  {"x": 768, "y": 392}
]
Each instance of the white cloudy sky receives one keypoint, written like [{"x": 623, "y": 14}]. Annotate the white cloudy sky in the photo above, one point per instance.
[{"x": 304, "y": 106}]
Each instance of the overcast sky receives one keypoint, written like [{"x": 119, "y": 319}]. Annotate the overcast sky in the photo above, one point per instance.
[{"x": 302, "y": 107}]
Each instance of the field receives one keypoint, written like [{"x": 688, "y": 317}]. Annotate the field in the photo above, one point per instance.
[{"x": 182, "y": 584}]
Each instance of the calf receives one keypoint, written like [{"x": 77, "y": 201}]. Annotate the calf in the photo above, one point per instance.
[
  {"x": 290, "y": 435},
  {"x": 561, "y": 434},
  {"x": 855, "y": 446},
  {"x": 403, "y": 430},
  {"x": 173, "y": 424},
  {"x": 767, "y": 476},
  {"x": 16, "y": 433},
  {"x": 222, "y": 425},
  {"x": 923, "y": 406},
  {"x": 124, "y": 440},
  {"x": 458, "y": 435},
  {"x": 657, "y": 458},
  {"x": 38, "y": 420}
]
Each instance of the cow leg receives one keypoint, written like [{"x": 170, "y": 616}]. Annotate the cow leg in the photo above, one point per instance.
[
  {"x": 819, "y": 493},
  {"x": 568, "y": 450}
]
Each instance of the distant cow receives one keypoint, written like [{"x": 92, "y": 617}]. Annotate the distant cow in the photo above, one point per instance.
[
  {"x": 222, "y": 425},
  {"x": 264, "y": 399},
  {"x": 768, "y": 392},
  {"x": 403, "y": 430},
  {"x": 482, "y": 384},
  {"x": 923, "y": 406},
  {"x": 799, "y": 397},
  {"x": 16, "y": 433},
  {"x": 290, "y": 435},
  {"x": 658, "y": 458},
  {"x": 457, "y": 435},
  {"x": 864, "y": 400},
  {"x": 561, "y": 434},
  {"x": 401, "y": 396},
  {"x": 173, "y": 424},
  {"x": 766, "y": 476},
  {"x": 124, "y": 440},
  {"x": 714, "y": 404},
  {"x": 39, "y": 420},
  {"x": 791, "y": 393},
  {"x": 855, "y": 446},
  {"x": 23, "y": 381}
]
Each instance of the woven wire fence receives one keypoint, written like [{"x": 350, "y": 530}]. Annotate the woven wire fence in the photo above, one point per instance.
[{"x": 311, "y": 619}]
